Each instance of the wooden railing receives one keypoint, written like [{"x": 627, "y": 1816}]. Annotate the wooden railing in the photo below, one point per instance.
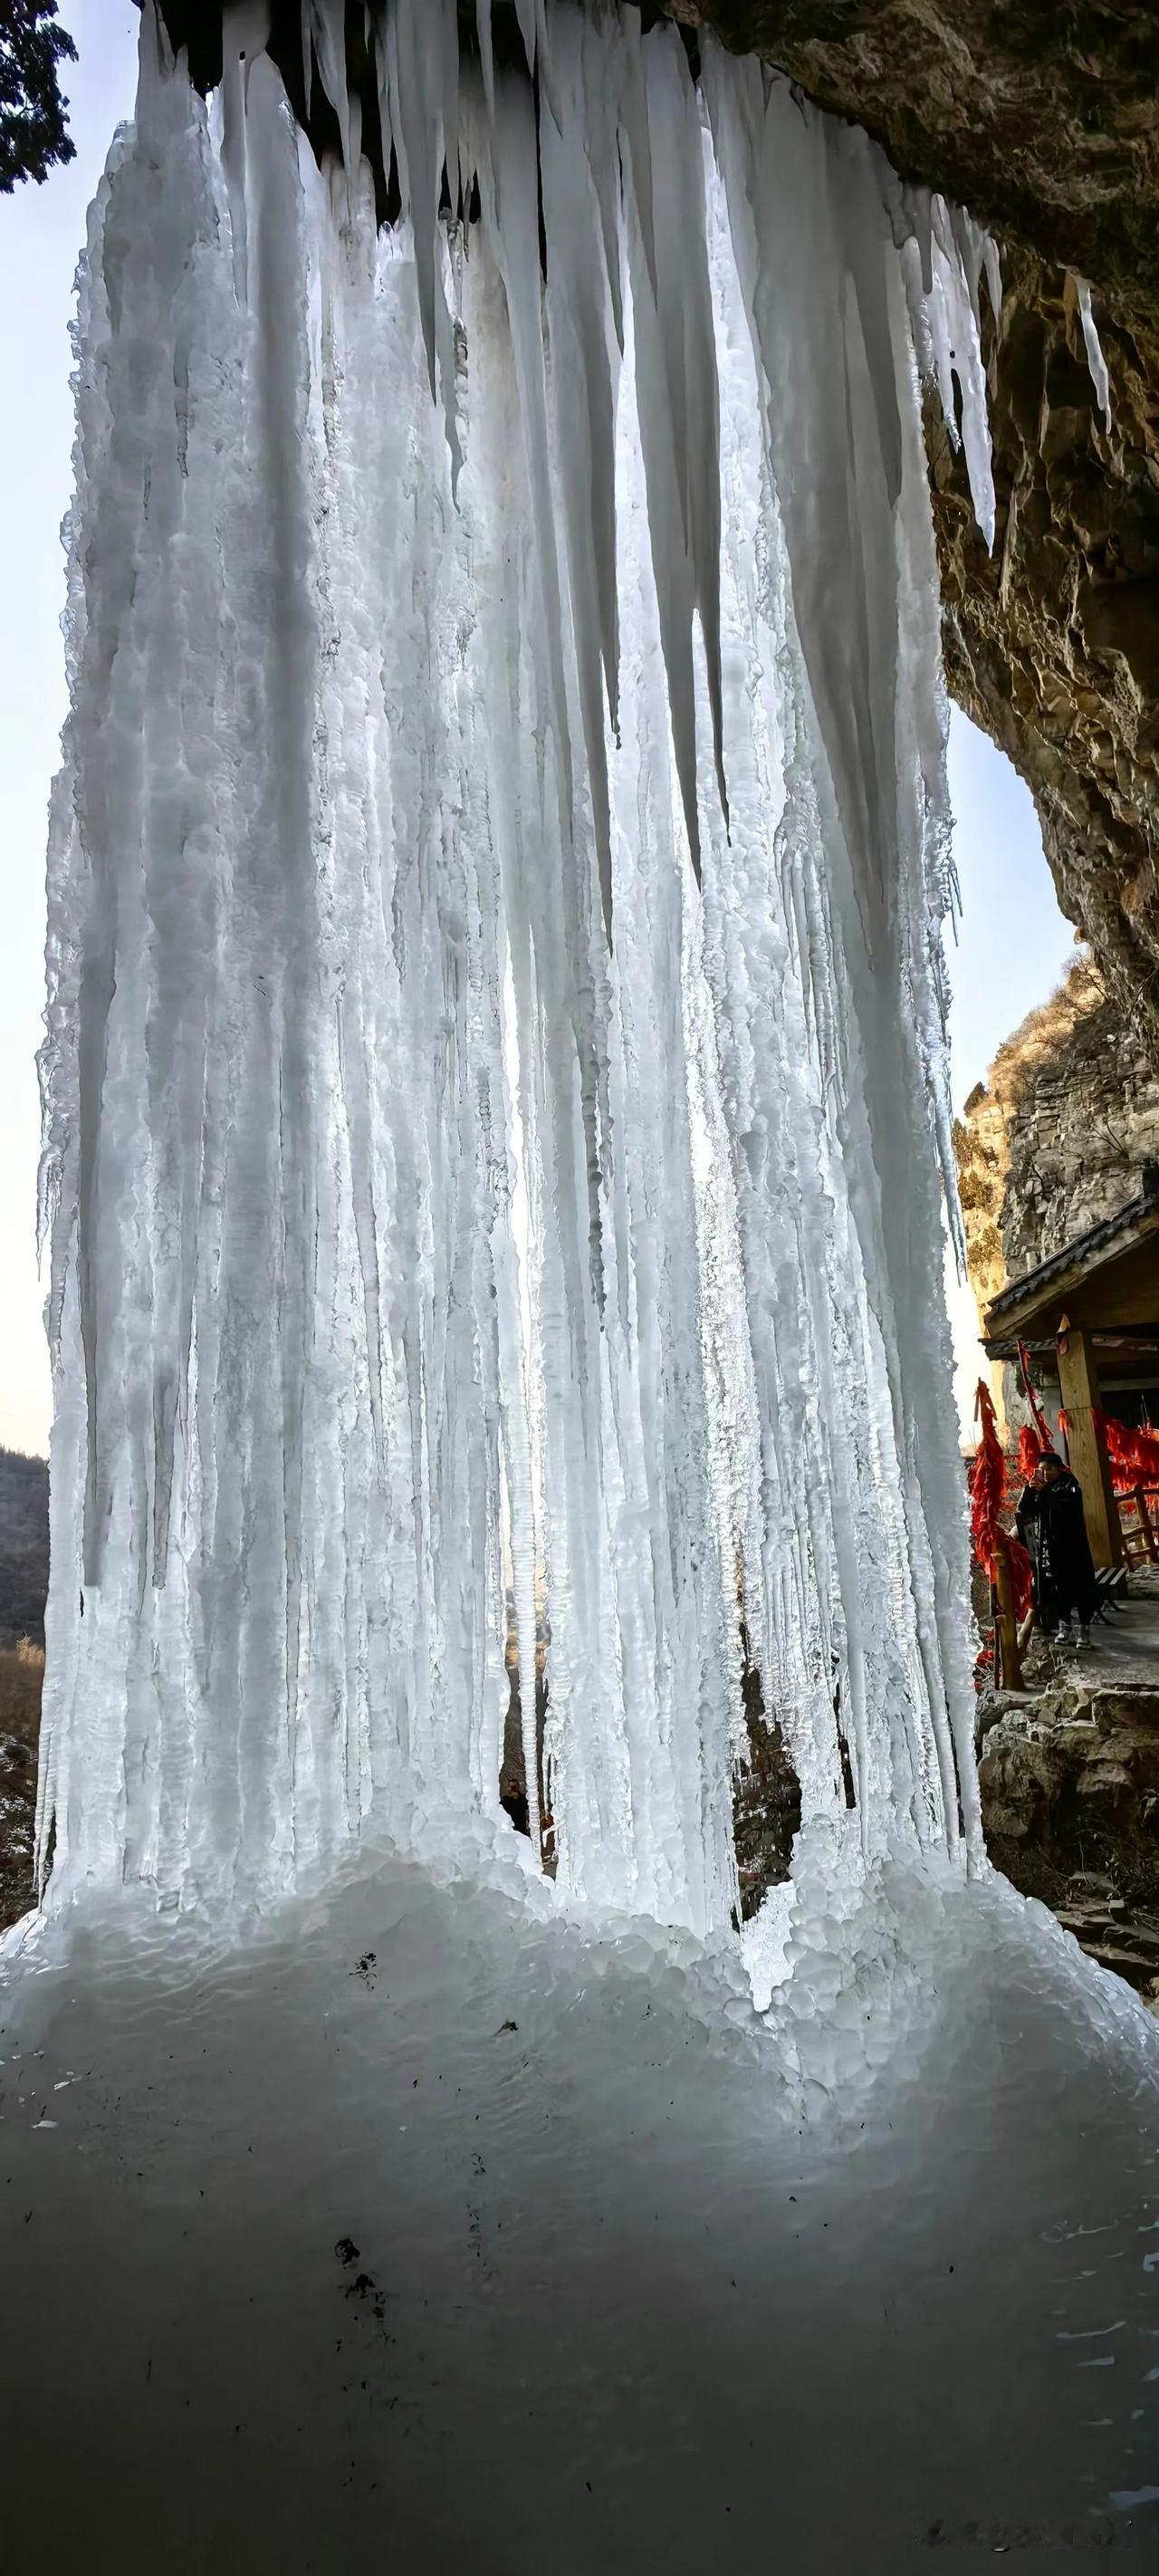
[{"x": 1139, "y": 1522}]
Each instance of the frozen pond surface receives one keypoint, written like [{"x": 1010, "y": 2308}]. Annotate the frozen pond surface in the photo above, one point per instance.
[{"x": 437, "y": 2229}]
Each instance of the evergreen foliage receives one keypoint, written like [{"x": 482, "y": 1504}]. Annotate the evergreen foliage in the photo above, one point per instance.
[{"x": 33, "y": 133}]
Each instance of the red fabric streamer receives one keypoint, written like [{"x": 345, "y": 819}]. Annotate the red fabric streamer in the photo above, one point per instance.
[
  {"x": 1030, "y": 1449},
  {"x": 1022, "y": 1576},
  {"x": 1132, "y": 1454},
  {"x": 1037, "y": 1414},
  {"x": 989, "y": 1498},
  {"x": 986, "y": 1480}
]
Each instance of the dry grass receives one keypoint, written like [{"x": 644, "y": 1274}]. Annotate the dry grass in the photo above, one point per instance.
[
  {"x": 21, "y": 1682},
  {"x": 1050, "y": 1030}
]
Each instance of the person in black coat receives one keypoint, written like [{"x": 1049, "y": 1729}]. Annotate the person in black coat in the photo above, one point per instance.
[{"x": 1053, "y": 1530}]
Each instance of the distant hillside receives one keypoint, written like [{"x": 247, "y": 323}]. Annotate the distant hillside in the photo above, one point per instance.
[{"x": 23, "y": 1547}]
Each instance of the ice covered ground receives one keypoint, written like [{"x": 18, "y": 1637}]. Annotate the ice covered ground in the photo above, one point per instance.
[{"x": 435, "y": 2230}]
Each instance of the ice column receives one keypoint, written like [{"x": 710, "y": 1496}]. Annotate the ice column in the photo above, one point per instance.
[{"x": 494, "y": 1085}]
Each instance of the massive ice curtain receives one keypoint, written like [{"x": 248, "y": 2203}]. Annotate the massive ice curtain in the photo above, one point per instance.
[{"x": 495, "y": 1101}]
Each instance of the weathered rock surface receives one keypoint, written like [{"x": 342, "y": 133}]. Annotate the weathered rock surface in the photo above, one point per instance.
[
  {"x": 766, "y": 1803},
  {"x": 1070, "y": 1804},
  {"x": 1052, "y": 643},
  {"x": 1055, "y": 1139}
]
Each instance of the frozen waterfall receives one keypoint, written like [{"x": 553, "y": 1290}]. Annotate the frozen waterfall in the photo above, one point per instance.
[
  {"x": 496, "y": 1140},
  {"x": 495, "y": 1091}
]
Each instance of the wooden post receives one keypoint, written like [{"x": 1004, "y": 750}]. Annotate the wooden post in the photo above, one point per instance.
[
  {"x": 1006, "y": 1623},
  {"x": 1079, "y": 1384},
  {"x": 1139, "y": 1500}
]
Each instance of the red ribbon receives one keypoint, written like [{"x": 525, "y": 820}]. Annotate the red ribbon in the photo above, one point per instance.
[
  {"x": 1132, "y": 1454},
  {"x": 989, "y": 1497}
]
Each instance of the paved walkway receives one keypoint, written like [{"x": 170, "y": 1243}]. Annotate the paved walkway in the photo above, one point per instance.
[{"x": 1124, "y": 1652}]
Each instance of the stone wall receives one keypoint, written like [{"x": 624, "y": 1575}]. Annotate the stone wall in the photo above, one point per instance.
[{"x": 1070, "y": 1800}]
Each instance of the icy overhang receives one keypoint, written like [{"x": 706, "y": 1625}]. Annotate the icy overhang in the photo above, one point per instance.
[{"x": 281, "y": 29}]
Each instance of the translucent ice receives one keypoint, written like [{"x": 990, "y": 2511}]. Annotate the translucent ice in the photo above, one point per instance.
[
  {"x": 495, "y": 1090},
  {"x": 1094, "y": 349}
]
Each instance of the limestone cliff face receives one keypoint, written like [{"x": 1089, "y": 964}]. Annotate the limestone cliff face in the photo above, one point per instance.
[
  {"x": 1052, "y": 644},
  {"x": 1055, "y": 1138},
  {"x": 983, "y": 1168}
]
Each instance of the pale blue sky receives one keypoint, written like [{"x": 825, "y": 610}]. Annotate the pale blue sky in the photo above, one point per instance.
[
  {"x": 1011, "y": 948},
  {"x": 1013, "y": 941},
  {"x": 41, "y": 232}
]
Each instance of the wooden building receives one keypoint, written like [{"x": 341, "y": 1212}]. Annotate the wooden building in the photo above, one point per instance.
[{"x": 1088, "y": 1318}]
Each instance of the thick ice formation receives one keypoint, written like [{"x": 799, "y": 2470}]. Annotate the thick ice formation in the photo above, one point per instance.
[
  {"x": 435, "y": 2230},
  {"x": 495, "y": 1090}
]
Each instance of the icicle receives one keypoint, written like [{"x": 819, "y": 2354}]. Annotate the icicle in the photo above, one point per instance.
[
  {"x": 527, "y": 15},
  {"x": 954, "y": 322},
  {"x": 1094, "y": 349},
  {"x": 676, "y": 378},
  {"x": 422, "y": 38},
  {"x": 584, "y": 413},
  {"x": 633, "y": 108},
  {"x": 449, "y": 29},
  {"x": 308, "y": 52},
  {"x": 512, "y": 220},
  {"x": 328, "y": 34},
  {"x": 486, "y": 51}
]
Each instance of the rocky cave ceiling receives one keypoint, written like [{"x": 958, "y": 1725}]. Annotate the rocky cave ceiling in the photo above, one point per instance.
[{"x": 1044, "y": 121}]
